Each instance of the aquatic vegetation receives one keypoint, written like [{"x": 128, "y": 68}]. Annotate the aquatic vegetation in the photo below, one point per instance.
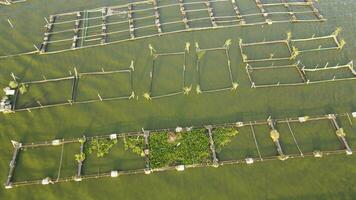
[
  {"x": 135, "y": 144},
  {"x": 101, "y": 146},
  {"x": 13, "y": 84},
  {"x": 80, "y": 157},
  {"x": 169, "y": 148},
  {"x": 222, "y": 136},
  {"x": 23, "y": 88}
]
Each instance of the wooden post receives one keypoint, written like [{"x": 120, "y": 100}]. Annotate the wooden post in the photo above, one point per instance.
[
  {"x": 39, "y": 103},
  {"x": 11, "y": 25},
  {"x": 349, "y": 118},
  {"x": 100, "y": 98},
  {"x": 295, "y": 140}
]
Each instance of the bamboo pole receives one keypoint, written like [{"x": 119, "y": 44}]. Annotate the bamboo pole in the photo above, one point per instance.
[
  {"x": 49, "y": 80},
  {"x": 264, "y": 43},
  {"x": 226, "y": 21},
  {"x": 255, "y": 140},
  {"x": 47, "y": 143},
  {"x": 349, "y": 118},
  {"x": 229, "y": 65},
  {"x": 327, "y": 68},
  {"x": 294, "y": 139},
  {"x": 272, "y": 67},
  {"x": 170, "y": 54},
  {"x": 217, "y": 90},
  {"x": 288, "y": 3},
  {"x": 312, "y": 38},
  {"x": 166, "y": 95},
  {"x": 60, "y": 163},
  {"x": 81, "y": 74},
  {"x": 267, "y": 59}
]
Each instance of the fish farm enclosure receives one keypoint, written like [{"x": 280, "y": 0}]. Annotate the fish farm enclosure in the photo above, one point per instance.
[{"x": 177, "y": 99}]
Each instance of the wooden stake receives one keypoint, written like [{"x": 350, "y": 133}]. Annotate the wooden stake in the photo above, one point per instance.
[
  {"x": 12, "y": 26},
  {"x": 255, "y": 140}
]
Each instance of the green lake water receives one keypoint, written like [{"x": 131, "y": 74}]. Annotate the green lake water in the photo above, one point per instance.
[{"x": 326, "y": 178}]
